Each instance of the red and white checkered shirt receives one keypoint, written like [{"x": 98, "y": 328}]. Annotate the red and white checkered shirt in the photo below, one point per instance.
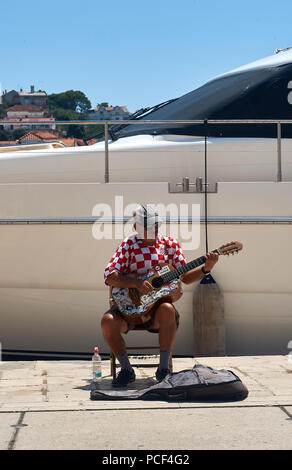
[{"x": 134, "y": 256}]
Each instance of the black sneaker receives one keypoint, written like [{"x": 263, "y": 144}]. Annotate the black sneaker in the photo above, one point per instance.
[
  {"x": 161, "y": 374},
  {"x": 124, "y": 377}
]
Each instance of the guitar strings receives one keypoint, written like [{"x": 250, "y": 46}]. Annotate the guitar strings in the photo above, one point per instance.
[{"x": 183, "y": 269}]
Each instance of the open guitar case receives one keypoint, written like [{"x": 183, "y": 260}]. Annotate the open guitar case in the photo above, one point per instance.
[{"x": 200, "y": 383}]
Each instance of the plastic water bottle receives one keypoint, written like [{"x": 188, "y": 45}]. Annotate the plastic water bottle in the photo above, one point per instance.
[{"x": 96, "y": 366}]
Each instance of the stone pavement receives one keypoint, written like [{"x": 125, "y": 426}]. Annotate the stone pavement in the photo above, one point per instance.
[{"x": 46, "y": 405}]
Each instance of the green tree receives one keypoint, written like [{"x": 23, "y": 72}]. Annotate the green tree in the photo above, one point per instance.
[
  {"x": 14, "y": 134},
  {"x": 70, "y": 106},
  {"x": 93, "y": 131},
  {"x": 3, "y": 108},
  {"x": 17, "y": 133},
  {"x": 104, "y": 104},
  {"x": 71, "y": 100},
  {"x": 61, "y": 114},
  {"x": 69, "y": 115},
  {"x": 4, "y": 135},
  {"x": 76, "y": 131}
]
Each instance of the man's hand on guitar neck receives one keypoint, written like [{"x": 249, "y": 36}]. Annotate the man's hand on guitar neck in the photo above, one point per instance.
[
  {"x": 196, "y": 274},
  {"x": 211, "y": 260}
]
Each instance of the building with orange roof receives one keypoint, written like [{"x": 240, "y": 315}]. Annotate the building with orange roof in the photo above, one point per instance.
[
  {"x": 33, "y": 137},
  {"x": 16, "y": 123},
  {"x": 26, "y": 110},
  {"x": 109, "y": 113},
  {"x": 32, "y": 97},
  {"x": 18, "y": 115}
]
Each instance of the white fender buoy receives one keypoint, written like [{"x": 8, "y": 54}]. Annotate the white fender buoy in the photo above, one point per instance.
[{"x": 208, "y": 319}]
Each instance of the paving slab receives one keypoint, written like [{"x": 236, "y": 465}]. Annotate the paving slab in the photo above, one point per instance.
[
  {"x": 7, "y": 420},
  {"x": 288, "y": 410},
  {"x": 195, "y": 428},
  {"x": 55, "y": 396}
]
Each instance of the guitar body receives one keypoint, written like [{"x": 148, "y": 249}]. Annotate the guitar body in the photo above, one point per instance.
[{"x": 137, "y": 308}]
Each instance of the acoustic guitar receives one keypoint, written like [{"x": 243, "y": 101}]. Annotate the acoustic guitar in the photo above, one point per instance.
[{"x": 137, "y": 308}]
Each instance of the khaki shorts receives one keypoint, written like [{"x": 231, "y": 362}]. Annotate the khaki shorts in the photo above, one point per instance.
[{"x": 144, "y": 326}]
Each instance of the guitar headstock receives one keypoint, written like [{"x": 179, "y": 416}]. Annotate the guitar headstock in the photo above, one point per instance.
[{"x": 230, "y": 248}]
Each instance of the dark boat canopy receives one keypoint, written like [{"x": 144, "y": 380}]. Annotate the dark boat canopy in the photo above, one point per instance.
[{"x": 260, "y": 90}]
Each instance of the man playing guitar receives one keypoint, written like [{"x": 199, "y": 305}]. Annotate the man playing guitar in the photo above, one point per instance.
[{"x": 137, "y": 254}]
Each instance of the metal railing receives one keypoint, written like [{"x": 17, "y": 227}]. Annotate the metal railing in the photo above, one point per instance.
[{"x": 106, "y": 125}]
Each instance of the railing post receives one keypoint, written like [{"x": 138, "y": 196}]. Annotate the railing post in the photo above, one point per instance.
[
  {"x": 106, "y": 165},
  {"x": 279, "y": 153}
]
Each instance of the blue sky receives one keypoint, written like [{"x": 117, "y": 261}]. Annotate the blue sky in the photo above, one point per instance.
[{"x": 135, "y": 53}]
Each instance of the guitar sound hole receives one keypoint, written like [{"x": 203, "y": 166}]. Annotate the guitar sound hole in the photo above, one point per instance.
[{"x": 157, "y": 282}]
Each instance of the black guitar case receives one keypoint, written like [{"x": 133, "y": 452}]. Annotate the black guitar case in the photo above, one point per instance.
[{"x": 200, "y": 383}]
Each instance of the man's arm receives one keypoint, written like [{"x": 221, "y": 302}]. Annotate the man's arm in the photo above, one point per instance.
[
  {"x": 123, "y": 280},
  {"x": 196, "y": 274}
]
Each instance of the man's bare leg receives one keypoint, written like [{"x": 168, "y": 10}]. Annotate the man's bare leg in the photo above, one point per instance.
[
  {"x": 112, "y": 326},
  {"x": 165, "y": 321}
]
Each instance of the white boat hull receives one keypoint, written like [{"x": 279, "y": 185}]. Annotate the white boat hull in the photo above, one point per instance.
[
  {"x": 152, "y": 159},
  {"x": 51, "y": 279}
]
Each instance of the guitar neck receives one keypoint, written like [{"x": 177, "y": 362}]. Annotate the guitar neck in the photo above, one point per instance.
[{"x": 175, "y": 273}]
